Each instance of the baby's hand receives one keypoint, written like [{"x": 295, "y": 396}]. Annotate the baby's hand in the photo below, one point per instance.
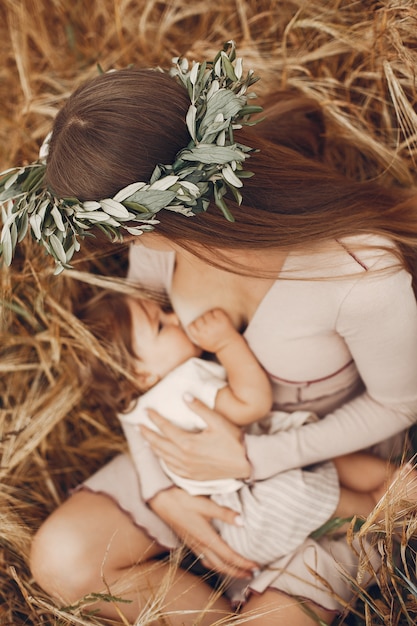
[{"x": 212, "y": 331}]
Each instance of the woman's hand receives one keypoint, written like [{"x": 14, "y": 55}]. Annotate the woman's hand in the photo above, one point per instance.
[
  {"x": 190, "y": 518},
  {"x": 215, "y": 452}
]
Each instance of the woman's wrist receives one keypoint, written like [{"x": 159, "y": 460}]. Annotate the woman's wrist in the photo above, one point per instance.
[
  {"x": 253, "y": 458},
  {"x": 158, "y": 500}
]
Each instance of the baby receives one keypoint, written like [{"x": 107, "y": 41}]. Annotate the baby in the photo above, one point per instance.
[{"x": 276, "y": 514}]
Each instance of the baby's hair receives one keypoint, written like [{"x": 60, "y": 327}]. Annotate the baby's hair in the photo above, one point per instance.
[{"x": 115, "y": 380}]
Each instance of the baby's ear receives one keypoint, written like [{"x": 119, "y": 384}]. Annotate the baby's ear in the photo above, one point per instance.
[{"x": 146, "y": 380}]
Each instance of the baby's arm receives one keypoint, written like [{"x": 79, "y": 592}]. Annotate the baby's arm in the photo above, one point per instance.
[{"x": 248, "y": 395}]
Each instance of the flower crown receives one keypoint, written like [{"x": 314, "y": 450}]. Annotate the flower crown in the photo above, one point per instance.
[{"x": 207, "y": 168}]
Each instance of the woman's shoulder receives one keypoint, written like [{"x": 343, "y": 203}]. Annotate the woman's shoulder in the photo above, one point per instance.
[
  {"x": 371, "y": 252},
  {"x": 152, "y": 269},
  {"x": 347, "y": 256}
]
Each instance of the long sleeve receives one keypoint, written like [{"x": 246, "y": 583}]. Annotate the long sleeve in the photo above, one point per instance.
[
  {"x": 151, "y": 476},
  {"x": 378, "y": 322}
]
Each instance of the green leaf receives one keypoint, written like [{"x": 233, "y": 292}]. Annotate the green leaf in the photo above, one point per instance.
[
  {"x": 245, "y": 174},
  {"x": 190, "y": 121},
  {"x": 162, "y": 184},
  {"x": 35, "y": 221},
  {"x": 153, "y": 200},
  {"x": 58, "y": 248},
  {"x": 116, "y": 209},
  {"x": 136, "y": 207},
  {"x": 7, "y": 246},
  {"x": 330, "y": 527},
  {"x": 214, "y": 131},
  {"x": 218, "y": 199},
  {"x": 231, "y": 177},
  {"x": 34, "y": 178},
  {"x": 91, "y": 205},
  {"x": 236, "y": 194},
  {"x": 93, "y": 216},
  {"x": 132, "y": 230},
  {"x": 13, "y": 233},
  {"x": 229, "y": 48},
  {"x": 127, "y": 191},
  {"x": 228, "y": 68},
  {"x": 225, "y": 102},
  {"x": 58, "y": 218},
  {"x": 249, "y": 110},
  {"x": 8, "y": 194},
  {"x": 10, "y": 180},
  {"x": 210, "y": 153},
  {"x": 23, "y": 226},
  {"x": 194, "y": 73}
]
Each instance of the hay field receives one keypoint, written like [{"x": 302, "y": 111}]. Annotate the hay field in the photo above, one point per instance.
[{"x": 358, "y": 59}]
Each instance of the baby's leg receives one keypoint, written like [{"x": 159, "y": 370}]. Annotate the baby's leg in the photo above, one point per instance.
[
  {"x": 88, "y": 545},
  {"x": 364, "y": 480},
  {"x": 363, "y": 472},
  {"x": 354, "y": 503}
]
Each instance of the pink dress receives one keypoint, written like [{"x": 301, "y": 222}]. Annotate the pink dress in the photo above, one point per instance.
[{"x": 337, "y": 333}]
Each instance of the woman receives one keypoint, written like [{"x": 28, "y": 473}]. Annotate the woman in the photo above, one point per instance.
[{"x": 315, "y": 272}]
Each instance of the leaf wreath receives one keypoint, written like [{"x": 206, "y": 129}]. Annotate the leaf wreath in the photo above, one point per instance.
[{"x": 210, "y": 166}]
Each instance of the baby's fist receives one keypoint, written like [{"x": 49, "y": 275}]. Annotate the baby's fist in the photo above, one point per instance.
[{"x": 212, "y": 330}]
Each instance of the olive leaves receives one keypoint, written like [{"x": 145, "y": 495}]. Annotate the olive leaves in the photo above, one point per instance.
[
  {"x": 218, "y": 95},
  {"x": 209, "y": 167},
  {"x": 59, "y": 223}
]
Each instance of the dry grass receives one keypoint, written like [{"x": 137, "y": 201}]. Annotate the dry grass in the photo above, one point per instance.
[{"x": 357, "y": 59}]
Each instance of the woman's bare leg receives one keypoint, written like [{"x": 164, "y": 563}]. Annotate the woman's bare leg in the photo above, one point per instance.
[
  {"x": 89, "y": 545},
  {"x": 274, "y": 608}
]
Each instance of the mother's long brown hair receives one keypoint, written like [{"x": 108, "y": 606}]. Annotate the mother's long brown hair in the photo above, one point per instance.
[{"x": 116, "y": 128}]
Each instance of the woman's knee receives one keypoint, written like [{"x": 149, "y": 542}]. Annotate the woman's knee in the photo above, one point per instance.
[
  {"x": 59, "y": 560},
  {"x": 85, "y": 544}
]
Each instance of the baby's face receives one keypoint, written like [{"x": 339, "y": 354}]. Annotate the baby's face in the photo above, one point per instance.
[{"x": 158, "y": 338}]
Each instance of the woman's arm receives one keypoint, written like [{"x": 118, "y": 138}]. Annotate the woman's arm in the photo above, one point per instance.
[
  {"x": 151, "y": 476},
  {"x": 190, "y": 518},
  {"x": 378, "y": 321},
  {"x": 215, "y": 452}
]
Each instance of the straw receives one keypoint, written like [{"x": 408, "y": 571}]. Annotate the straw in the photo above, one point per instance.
[{"x": 357, "y": 59}]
